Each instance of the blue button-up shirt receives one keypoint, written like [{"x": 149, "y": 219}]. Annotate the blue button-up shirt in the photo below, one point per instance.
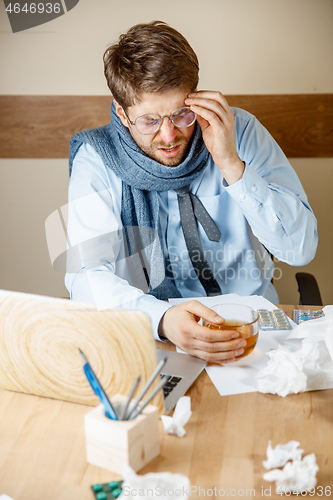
[{"x": 265, "y": 210}]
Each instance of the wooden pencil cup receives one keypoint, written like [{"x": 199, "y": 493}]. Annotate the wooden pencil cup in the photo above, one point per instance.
[{"x": 111, "y": 444}]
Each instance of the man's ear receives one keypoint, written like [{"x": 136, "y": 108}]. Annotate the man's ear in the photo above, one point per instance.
[{"x": 120, "y": 113}]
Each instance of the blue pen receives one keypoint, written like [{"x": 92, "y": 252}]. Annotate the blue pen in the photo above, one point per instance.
[{"x": 98, "y": 389}]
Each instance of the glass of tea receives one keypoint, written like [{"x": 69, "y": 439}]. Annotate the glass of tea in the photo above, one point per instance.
[{"x": 243, "y": 319}]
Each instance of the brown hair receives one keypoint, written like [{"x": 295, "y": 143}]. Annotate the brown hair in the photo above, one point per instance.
[{"x": 150, "y": 57}]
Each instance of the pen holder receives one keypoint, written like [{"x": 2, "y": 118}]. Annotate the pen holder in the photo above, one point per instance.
[{"x": 111, "y": 444}]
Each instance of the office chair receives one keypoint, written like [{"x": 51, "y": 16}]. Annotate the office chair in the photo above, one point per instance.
[{"x": 309, "y": 293}]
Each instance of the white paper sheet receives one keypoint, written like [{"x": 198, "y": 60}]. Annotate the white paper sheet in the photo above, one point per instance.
[{"x": 239, "y": 377}]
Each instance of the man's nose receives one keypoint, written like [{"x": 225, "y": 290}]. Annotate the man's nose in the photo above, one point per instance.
[{"x": 167, "y": 131}]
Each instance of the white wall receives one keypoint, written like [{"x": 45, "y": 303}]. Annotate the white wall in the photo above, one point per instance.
[{"x": 244, "y": 47}]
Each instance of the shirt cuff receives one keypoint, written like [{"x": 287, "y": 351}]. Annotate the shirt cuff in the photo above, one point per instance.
[
  {"x": 155, "y": 309},
  {"x": 250, "y": 191}
]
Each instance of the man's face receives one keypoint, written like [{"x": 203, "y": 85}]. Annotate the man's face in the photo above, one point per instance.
[{"x": 168, "y": 145}]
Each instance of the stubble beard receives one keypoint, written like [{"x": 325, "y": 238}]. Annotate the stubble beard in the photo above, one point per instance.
[{"x": 152, "y": 152}]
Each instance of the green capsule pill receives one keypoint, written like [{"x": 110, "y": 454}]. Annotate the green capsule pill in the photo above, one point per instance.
[
  {"x": 116, "y": 492},
  {"x": 97, "y": 487},
  {"x": 101, "y": 495},
  {"x": 114, "y": 484}
]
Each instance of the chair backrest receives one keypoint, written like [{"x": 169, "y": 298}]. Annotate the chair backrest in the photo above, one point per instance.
[{"x": 309, "y": 293}]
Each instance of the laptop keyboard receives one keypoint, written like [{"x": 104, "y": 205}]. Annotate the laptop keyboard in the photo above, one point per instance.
[{"x": 171, "y": 383}]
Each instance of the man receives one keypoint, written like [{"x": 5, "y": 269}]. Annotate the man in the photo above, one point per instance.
[{"x": 170, "y": 157}]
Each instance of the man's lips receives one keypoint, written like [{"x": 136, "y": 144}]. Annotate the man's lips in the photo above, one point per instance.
[{"x": 170, "y": 152}]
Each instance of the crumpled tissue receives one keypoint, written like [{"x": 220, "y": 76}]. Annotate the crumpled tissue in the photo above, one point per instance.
[
  {"x": 309, "y": 368},
  {"x": 152, "y": 485},
  {"x": 281, "y": 454},
  {"x": 181, "y": 415},
  {"x": 298, "y": 475},
  {"x": 283, "y": 374}
]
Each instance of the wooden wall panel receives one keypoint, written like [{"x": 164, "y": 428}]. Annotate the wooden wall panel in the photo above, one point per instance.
[
  {"x": 41, "y": 126},
  {"x": 302, "y": 124}
]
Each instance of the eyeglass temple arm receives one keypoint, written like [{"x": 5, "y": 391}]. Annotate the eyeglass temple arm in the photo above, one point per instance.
[{"x": 132, "y": 123}]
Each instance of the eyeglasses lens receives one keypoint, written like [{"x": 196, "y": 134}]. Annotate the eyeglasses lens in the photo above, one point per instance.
[
  {"x": 148, "y": 124},
  {"x": 181, "y": 118}
]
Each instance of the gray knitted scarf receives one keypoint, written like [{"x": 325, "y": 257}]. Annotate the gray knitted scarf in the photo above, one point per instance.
[{"x": 142, "y": 177}]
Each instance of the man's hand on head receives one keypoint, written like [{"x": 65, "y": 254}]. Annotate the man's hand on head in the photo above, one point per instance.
[
  {"x": 180, "y": 325},
  {"x": 217, "y": 123}
]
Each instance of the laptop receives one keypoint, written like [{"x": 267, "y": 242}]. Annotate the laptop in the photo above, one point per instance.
[
  {"x": 182, "y": 370},
  {"x": 40, "y": 336}
]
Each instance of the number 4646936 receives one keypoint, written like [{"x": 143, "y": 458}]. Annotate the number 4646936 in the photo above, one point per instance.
[
  {"x": 33, "y": 8},
  {"x": 319, "y": 490}
]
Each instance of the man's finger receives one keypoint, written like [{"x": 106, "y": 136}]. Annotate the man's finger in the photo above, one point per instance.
[
  {"x": 219, "y": 347},
  {"x": 221, "y": 357},
  {"x": 210, "y": 335},
  {"x": 214, "y": 107},
  {"x": 213, "y": 95},
  {"x": 212, "y": 117},
  {"x": 195, "y": 307}
]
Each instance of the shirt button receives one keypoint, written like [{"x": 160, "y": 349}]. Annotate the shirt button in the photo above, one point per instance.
[
  {"x": 253, "y": 188},
  {"x": 174, "y": 218},
  {"x": 181, "y": 283},
  {"x": 276, "y": 218},
  {"x": 176, "y": 259},
  {"x": 242, "y": 196}
]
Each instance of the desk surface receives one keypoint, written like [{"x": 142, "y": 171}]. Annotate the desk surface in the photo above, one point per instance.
[{"x": 42, "y": 443}]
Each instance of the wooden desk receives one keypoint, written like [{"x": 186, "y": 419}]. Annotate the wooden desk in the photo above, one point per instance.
[{"x": 42, "y": 443}]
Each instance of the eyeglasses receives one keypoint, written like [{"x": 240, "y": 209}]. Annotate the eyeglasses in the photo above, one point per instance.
[{"x": 149, "y": 124}]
